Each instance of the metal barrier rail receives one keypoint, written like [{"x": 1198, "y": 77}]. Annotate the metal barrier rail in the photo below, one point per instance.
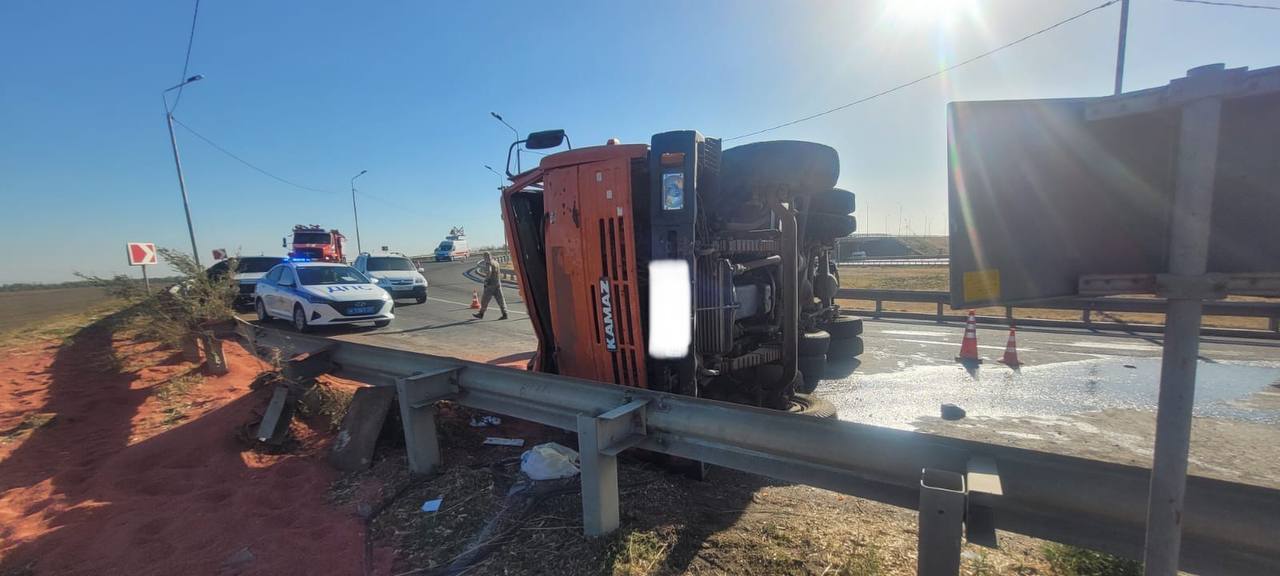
[
  {"x": 1228, "y": 528},
  {"x": 900, "y": 261},
  {"x": 1086, "y": 306}
]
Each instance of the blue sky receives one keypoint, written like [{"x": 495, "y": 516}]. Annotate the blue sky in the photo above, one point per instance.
[{"x": 316, "y": 91}]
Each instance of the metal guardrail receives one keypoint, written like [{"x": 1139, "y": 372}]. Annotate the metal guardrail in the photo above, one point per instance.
[
  {"x": 1228, "y": 528},
  {"x": 901, "y": 261},
  {"x": 1086, "y": 306}
]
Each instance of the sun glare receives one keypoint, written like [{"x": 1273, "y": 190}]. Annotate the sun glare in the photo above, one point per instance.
[{"x": 910, "y": 12}]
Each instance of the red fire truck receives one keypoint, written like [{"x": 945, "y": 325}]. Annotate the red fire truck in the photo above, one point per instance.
[{"x": 315, "y": 243}]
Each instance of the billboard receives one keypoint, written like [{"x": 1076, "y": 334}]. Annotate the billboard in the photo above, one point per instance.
[{"x": 1042, "y": 192}]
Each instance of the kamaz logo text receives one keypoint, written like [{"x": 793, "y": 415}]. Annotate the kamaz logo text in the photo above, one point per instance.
[{"x": 606, "y": 312}]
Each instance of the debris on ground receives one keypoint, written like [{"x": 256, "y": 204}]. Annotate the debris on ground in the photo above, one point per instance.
[
  {"x": 549, "y": 461},
  {"x": 493, "y": 441},
  {"x": 952, "y": 412}
]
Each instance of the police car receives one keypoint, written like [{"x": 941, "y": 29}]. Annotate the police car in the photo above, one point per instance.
[{"x": 321, "y": 293}]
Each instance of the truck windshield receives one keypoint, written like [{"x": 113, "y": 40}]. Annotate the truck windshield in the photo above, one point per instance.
[
  {"x": 310, "y": 237},
  {"x": 319, "y": 275},
  {"x": 383, "y": 264},
  {"x": 445, "y": 246}
]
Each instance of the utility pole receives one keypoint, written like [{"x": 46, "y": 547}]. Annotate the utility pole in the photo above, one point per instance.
[
  {"x": 1124, "y": 32},
  {"x": 899, "y": 219},
  {"x": 355, "y": 212},
  {"x": 177, "y": 162}
]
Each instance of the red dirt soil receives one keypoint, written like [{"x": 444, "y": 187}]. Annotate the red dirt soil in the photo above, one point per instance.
[{"x": 109, "y": 487}]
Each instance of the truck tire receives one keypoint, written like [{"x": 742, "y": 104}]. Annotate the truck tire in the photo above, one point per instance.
[
  {"x": 814, "y": 369},
  {"x": 786, "y": 165},
  {"x": 845, "y": 348},
  {"x": 811, "y": 405},
  {"x": 822, "y": 226},
  {"x": 844, "y": 327},
  {"x": 833, "y": 201},
  {"x": 814, "y": 343}
]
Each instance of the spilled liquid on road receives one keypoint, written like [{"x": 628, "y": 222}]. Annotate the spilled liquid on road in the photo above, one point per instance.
[{"x": 897, "y": 399}]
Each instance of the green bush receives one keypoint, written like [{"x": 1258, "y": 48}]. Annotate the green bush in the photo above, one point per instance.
[{"x": 172, "y": 315}]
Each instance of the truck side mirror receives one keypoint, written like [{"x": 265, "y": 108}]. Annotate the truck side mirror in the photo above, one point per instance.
[
  {"x": 284, "y": 242},
  {"x": 544, "y": 139}
]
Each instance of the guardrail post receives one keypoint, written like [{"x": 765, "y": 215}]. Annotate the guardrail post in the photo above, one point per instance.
[
  {"x": 942, "y": 501},
  {"x": 1008, "y": 314},
  {"x": 1274, "y": 324},
  {"x": 941, "y": 319},
  {"x": 879, "y": 308},
  {"x": 418, "y": 395},
  {"x": 1084, "y": 315},
  {"x": 600, "y": 440},
  {"x": 214, "y": 362}
]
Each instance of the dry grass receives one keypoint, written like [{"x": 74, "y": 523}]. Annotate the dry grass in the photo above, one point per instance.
[
  {"x": 935, "y": 278},
  {"x": 174, "y": 395},
  {"x": 325, "y": 404},
  {"x": 58, "y": 326}
]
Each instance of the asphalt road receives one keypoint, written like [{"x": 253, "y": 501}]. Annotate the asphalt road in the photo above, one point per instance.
[
  {"x": 444, "y": 325},
  {"x": 908, "y": 368}
]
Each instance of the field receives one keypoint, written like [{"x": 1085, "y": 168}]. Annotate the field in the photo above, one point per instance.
[
  {"x": 934, "y": 278},
  {"x": 25, "y": 307}
]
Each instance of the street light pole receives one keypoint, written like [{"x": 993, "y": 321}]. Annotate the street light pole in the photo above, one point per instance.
[
  {"x": 355, "y": 212},
  {"x": 177, "y": 162},
  {"x": 517, "y": 134},
  {"x": 501, "y": 180}
]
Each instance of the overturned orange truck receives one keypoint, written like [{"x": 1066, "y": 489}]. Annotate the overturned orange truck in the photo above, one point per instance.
[{"x": 681, "y": 267}]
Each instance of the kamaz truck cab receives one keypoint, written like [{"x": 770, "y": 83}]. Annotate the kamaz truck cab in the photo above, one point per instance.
[{"x": 681, "y": 267}]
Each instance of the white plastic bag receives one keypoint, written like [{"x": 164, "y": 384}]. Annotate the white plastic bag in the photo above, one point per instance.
[{"x": 549, "y": 461}]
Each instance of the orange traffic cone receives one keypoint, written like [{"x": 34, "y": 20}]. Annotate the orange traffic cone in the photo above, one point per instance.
[
  {"x": 969, "y": 347},
  {"x": 475, "y": 300},
  {"x": 1011, "y": 350}
]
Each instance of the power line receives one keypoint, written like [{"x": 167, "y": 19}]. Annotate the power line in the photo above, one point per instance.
[
  {"x": 280, "y": 179},
  {"x": 1230, "y": 4},
  {"x": 191, "y": 38},
  {"x": 248, "y": 163},
  {"x": 929, "y": 76}
]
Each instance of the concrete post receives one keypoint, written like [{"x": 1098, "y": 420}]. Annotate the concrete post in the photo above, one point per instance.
[{"x": 1188, "y": 257}]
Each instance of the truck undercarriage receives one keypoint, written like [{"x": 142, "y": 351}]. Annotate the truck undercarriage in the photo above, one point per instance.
[{"x": 599, "y": 235}]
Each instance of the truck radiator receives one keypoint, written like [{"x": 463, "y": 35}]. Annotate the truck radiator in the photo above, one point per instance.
[
  {"x": 715, "y": 306},
  {"x": 612, "y": 300}
]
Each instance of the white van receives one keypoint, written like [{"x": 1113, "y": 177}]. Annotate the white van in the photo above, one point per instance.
[{"x": 452, "y": 249}]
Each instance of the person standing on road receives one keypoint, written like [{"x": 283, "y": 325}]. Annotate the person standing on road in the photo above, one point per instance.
[{"x": 492, "y": 288}]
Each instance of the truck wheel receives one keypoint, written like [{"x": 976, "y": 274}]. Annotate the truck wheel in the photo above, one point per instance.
[
  {"x": 814, "y": 343},
  {"x": 822, "y": 226},
  {"x": 811, "y": 405},
  {"x": 844, "y": 327},
  {"x": 845, "y": 348},
  {"x": 833, "y": 201},
  {"x": 299, "y": 318},
  {"x": 814, "y": 368},
  {"x": 420, "y": 299}
]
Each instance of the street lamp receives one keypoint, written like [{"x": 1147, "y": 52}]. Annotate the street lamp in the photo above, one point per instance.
[
  {"x": 182, "y": 184},
  {"x": 501, "y": 180},
  {"x": 355, "y": 212},
  {"x": 513, "y": 131}
]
